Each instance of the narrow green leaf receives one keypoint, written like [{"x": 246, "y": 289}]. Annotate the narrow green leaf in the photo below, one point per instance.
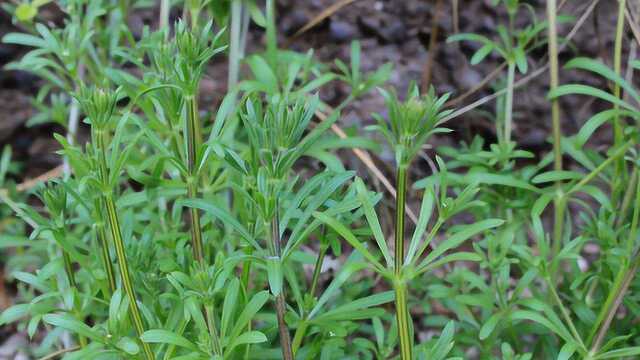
[
  {"x": 250, "y": 337},
  {"x": 347, "y": 311},
  {"x": 263, "y": 72},
  {"x": 616, "y": 354},
  {"x": 459, "y": 237},
  {"x": 250, "y": 310},
  {"x": 167, "y": 337},
  {"x": 536, "y": 317},
  {"x": 224, "y": 216},
  {"x": 479, "y": 55},
  {"x": 372, "y": 220},
  {"x": 557, "y": 175},
  {"x": 578, "y": 89},
  {"x": 274, "y": 275},
  {"x": 14, "y": 313},
  {"x": 497, "y": 179},
  {"x": 601, "y": 69},
  {"x": 426, "y": 210},
  {"x": 72, "y": 324},
  {"x": 487, "y": 328},
  {"x": 24, "y": 40},
  {"x": 591, "y": 125},
  {"x": 566, "y": 351},
  {"x": 458, "y": 256},
  {"x": 128, "y": 345},
  {"x": 229, "y": 305},
  {"x": 350, "y": 238},
  {"x": 349, "y": 268}
]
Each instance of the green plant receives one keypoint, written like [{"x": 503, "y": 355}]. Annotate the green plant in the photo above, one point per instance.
[
  {"x": 512, "y": 46},
  {"x": 239, "y": 232}
]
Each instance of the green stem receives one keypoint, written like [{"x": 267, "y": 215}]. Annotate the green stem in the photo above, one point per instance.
[
  {"x": 285, "y": 339},
  {"x": 235, "y": 39},
  {"x": 508, "y": 106},
  {"x": 620, "y": 284},
  {"x": 193, "y": 143},
  {"x": 559, "y": 204},
  {"x": 564, "y": 311},
  {"x": 272, "y": 39},
  {"x": 246, "y": 273},
  {"x": 628, "y": 197},
  {"x": 403, "y": 320},
  {"x": 554, "y": 82},
  {"x": 244, "y": 278},
  {"x": 616, "y": 300},
  {"x": 617, "y": 67},
  {"x": 402, "y": 312},
  {"x": 68, "y": 269},
  {"x": 302, "y": 328},
  {"x": 163, "y": 23},
  {"x": 56, "y": 354},
  {"x": 211, "y": 324},
  {"x": 401, "y": 186},
  {"x": 101, "y": 235},
  {"x": 618, "y": 136},
  {"x": 124, "y": 10},
  {"x": 195, "y": 228},
  {"x": 68, "y": 265},
  {"x": 434, "y": 230},
  {"x": 617, "y": 154},
  {"x": 317, "y": 269},
  {"x": 116, "y": 235},
  {"x": 608, "y": 304}
]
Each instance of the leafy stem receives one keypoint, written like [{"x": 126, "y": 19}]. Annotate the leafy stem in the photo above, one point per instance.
[
  {"x": 508, "y": 106},
  {"x": 563, "y": 311},
  {"x": 193, "y": 143},
  {"x": 559, "y": 203},
  {"x": 623, "y": 279},
  {"x": 401, "y": 185},
  {"x": 618, "y": 136},
  {"x": 101, "y": 235},
  {"x": 303, "y": 326},
  {"x": 116, "y": 235},
  {"x": 403, "y": 319},
  {"x": 285, "y": 340},
  {"x": 215, "y": 339},
  {"x": 614, "y": 157}
]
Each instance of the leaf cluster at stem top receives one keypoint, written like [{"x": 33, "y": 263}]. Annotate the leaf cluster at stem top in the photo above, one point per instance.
[
  {"x": 411, "y": 122},
  {"x": 194, "y": 50},
  {"x": 97, "y": 104}
]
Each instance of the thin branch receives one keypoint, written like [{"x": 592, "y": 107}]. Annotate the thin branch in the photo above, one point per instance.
[
  {"x": 320, "y": 17},
  {"x": 492, "y": 75},
  {"x": 55, "y": 354},
  {"x": 44, "y": 177},
  {"x": 633, "y": 24},
  {"x": 602, "y": 332},
  {"x": 433, "y": 47}
]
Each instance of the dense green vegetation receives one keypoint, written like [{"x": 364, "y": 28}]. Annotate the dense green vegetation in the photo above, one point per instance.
[{"x": 176, "y": 233}]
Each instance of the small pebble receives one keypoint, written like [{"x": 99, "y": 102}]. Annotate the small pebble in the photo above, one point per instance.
[{"x": 341, "y": 31}]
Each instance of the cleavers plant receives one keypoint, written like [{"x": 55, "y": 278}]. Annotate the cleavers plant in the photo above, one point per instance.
[{"x": 190, "y": 229}]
